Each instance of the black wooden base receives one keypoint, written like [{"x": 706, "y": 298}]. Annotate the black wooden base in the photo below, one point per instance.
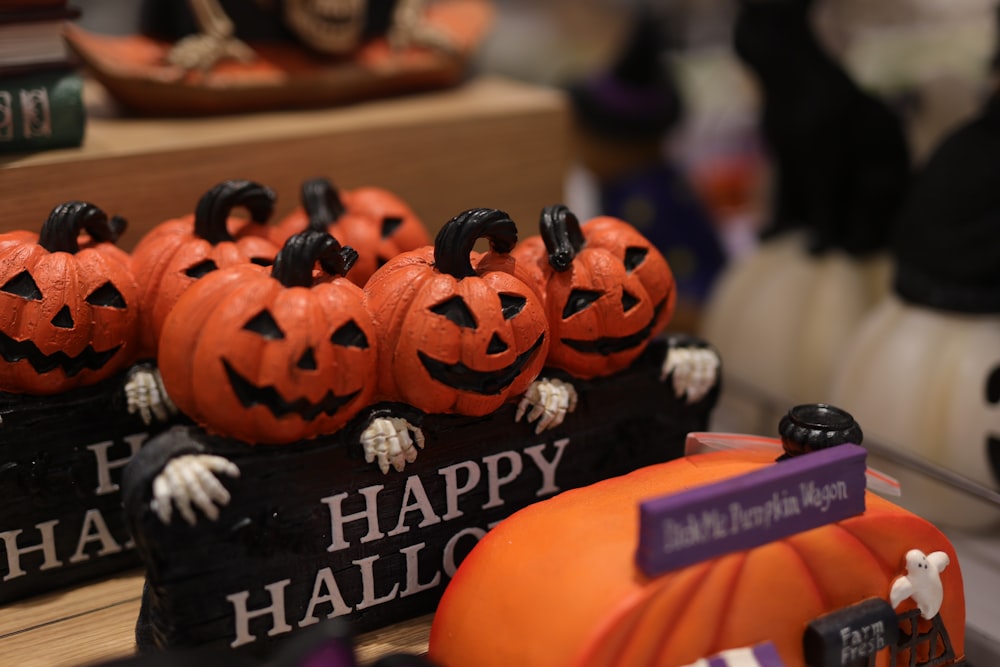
[
  {"x": 61, "y": 461},
  {"x": 314, "y": 531}
]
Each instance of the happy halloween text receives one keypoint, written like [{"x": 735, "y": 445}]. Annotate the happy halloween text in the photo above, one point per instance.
[
  {"x": 40, "y": 547},
  {"x": 468, "y": 486}
]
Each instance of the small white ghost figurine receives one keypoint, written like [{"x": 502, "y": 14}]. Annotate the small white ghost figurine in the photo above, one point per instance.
[{"x": 922, "y": 582}]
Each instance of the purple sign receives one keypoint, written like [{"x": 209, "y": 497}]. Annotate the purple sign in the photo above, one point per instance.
[
  {"x": 743, "y": 512},
  {"x": 759, "y": 655}
]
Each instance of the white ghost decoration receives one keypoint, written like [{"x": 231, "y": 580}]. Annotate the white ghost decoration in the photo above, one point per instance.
[{"x": 922, "y": 582}]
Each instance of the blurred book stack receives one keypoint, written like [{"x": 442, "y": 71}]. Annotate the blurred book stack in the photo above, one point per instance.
[{"x": 41, "y": 93}]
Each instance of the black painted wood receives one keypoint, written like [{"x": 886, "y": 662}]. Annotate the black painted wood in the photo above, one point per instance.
[
  {"x": 275, "y": 541},
  {"x": 61, "y": 461}
]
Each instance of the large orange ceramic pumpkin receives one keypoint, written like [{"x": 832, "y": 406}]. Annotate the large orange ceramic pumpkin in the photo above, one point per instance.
[
  {"x": 556, "y": 584},
  {"x": 69, "y": 310},
  {"x": 457, "y": 331},
  {"x": 272, "y": 356},
  {"x": 178, "y": 252},
  {"x": 373, "y": 221},
  {"x": 607, "y": 290}
]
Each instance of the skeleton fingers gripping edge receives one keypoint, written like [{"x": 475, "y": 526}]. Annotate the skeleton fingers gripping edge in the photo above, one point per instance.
[
  {"x": 693, "y": 370},
  {"x": 549, "y": 400},
  {"x": 145, "y": 394},
  {"x": 387, "y": 440},
  {"x": 192, "y": 482}
]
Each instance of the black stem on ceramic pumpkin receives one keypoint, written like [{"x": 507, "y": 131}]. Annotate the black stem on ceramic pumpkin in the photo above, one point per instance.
[
  {"x": 214, "y": 207},
  {"x": 293, "y": 267},
  {"x": 66, "y": 221},
  {"x": 322, "y": 203},
  {"x": 456, "y": 239},
  {"x": 560, "y": 230}
]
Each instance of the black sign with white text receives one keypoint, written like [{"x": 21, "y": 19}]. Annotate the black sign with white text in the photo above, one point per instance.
[
  {"x": 313, "y": 531},
  {"x": 61, "y": 462}
]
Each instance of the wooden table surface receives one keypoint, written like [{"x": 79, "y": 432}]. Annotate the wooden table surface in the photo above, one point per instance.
[{"x": 94, "y": 622}]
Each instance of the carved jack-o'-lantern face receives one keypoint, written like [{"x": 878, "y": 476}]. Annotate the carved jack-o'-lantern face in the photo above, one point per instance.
[
  {"x": 458, "y": 335},
  {"x": 178, "y": 252},
  {"x": 607, "y": 290},
  {"x": 69, "y": 313},
  {"x": 272, "y": 357},
  {"x": 373, "y": 221}
]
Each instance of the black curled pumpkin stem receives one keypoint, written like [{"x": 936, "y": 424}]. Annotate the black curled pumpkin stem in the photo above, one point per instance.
[
  {"x": 454, "y": 243},
  {"x": 293, "y": 267},
  {"x": 214, "y": 207},
  {"x": 560, "y": 230},
  {"x": 322, "y": 203},
  {"x": 66, "y": 221}
]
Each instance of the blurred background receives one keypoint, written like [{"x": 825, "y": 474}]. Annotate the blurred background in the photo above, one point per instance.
[{"x": 929, "y": 59}]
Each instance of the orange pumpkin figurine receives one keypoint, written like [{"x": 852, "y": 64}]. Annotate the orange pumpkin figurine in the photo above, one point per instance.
[
  {"x": 275, "y": 356},
  {"x": 373, "y": 221},
  {"x": 559, "y": 583},
  {"x": 178, "y": 252},
  {"x": 70, "y": 303},
  {"x": 608, "y": 292},
  {"x": 457, "y": 331}
]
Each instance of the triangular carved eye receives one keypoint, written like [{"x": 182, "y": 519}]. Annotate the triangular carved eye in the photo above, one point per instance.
[
  {"x": 456, "y": 311},
  {"x": 512, "y": 304},
  {"x": 350, "y": 335},
  {"x": 578, "y": 300},
  {"x": 201, "y": 269},
  {"x": 107, "y": 295},
  {"x": 263, "y": 323},
  {"x": 24, "y": 286},
  {"x": 390, "y": 224},
  {"x": 628, "y": 302},
  {"x": 634, "y": 256},
  {"x": 63, "y": 319}
]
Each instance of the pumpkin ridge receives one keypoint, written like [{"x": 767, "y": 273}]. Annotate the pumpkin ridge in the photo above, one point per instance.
[
  {"x": 658, "y": 590},
  {"x": 887, "y": 568},
  {"x": 398, "y": 315},
  {"x": 179, "y": 383},
  {"x": 730, "y": 594},
  {"x": 824, "y": 599}
]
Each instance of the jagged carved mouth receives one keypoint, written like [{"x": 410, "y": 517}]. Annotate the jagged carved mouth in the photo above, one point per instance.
[
  {"x": 250, "y": 395},
  {"x": 607, "y": 345},
  {"x": 488, "y": 383},
  {"x": 90, "y": 359}
]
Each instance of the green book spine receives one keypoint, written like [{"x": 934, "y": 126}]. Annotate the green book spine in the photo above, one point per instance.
[{"x": 40, "y": 111}]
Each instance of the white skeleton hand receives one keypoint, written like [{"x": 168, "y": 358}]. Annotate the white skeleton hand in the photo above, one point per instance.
[
  {"x": 549, "y": 400},
  {"x": 202, "y": 51},
  {"x": 410, "y": 29},
  {"x": 190, "y": 482},
  {"x": 694, "y": 371},
  {"x": 145, "y": 394},
  {"x": 388, "y": 440}
]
